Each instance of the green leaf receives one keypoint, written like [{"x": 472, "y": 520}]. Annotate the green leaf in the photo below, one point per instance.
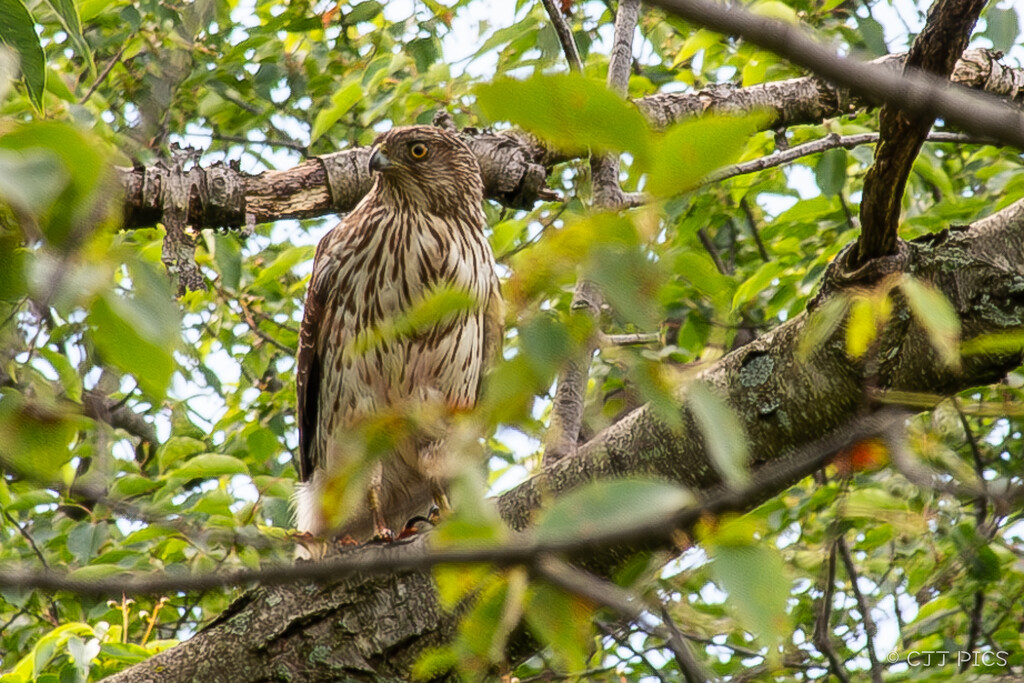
[
  {"x": 210, "y": 465},
  {"x": 85, "y": 539},
  {"x": 936, "y": 314},
  {"x": 19, "y": 32},
  {"x": 81, "y": 204},
  {"x": 861, "y": 329},
  {"x": 126, "y": 337},
  {"x": 66, "y": 373},
  {"x": 604, "y": 507},
  {"x": 228, "y": 257},
  {"x": 570, "y": 112},
  {"x": 753, "y": 575},
  {"x": 757, "y": 283},
  {"x": 67, "y": 12},
  {"x": 689, "y": 151},
  {"x": 178, "y": 448},
  {"x": 35, "y": 437},
  {"x": 343, "y": 100},
  {"x": 563, "y": 621},
  {"x": 1002, "y": 26},
  {"x": 724, "y": 436},
  {"x": 822, "y": 323},
  {"x": 364, "y": 11},
  {"x": 830, "y": 172},
  {"x": 284, "y": 262}
]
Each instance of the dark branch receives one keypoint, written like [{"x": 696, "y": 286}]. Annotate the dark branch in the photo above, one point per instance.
[{"x": 934, "y": 52}]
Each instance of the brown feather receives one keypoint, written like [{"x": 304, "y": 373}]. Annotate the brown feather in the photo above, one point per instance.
[{"x": 417, "y": 232}]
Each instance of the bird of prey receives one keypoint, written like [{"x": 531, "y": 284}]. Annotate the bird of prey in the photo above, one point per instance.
[{"x": 419, "y": 233}]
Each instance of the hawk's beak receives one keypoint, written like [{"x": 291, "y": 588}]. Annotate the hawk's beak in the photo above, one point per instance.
[{"x": 379, "y": 161}]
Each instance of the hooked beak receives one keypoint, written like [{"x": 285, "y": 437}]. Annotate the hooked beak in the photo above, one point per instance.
[{"x": 379, "y": 161}]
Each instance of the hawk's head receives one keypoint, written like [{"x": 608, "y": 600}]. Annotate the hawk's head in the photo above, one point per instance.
[{"x": 427, "y": 166}]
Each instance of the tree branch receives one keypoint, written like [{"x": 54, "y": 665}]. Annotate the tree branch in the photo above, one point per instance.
[{"x": 934, "y": 52}]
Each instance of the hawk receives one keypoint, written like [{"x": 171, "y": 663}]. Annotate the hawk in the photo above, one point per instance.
[{"x": 418, "y": 233}]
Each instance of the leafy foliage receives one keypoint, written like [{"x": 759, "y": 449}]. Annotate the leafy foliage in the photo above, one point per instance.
[{"x": 139, "y": 432}]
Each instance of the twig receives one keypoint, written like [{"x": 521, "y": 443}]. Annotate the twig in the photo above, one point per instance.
[
  {"x": 640, "y": 654},
  {"x": 103, "y": 74},
  {"x": 752, "y": 223},
  {"x": 567, "y": 407},
  {"x": 565, "y": 37},
  {"x": 822, "y": 630},
  {"x": 862, "y": 604},
  {"x": 980, "y": 516},
  {"x": 633, "y": 339},
  {"x": 712, "y": 251}
]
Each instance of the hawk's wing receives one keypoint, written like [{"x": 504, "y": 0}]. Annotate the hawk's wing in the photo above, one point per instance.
[
  {"x": 494, "y": 330},
  {"x": 308, "y": 365}
]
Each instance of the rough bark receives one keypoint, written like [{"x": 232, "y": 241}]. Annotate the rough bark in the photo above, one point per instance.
[
  {"x": 373, "y": 627},
  {"x": 514, "y": 165},
  {"x": 950, "y": 23}
]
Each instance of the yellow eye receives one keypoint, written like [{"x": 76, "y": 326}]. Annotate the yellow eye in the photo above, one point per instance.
[{"x": 418, "y": 150}]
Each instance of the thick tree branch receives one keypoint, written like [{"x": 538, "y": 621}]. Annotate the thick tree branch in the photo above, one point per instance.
[{"x": 934, "y": 52}]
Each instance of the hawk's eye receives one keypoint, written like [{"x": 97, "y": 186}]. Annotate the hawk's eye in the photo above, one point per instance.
[{"x": 418, "y": 150}]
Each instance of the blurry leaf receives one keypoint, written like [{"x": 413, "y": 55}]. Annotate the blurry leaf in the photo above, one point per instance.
[
  {"x": 773, "y": 9},
  {"x": 284, "y": 262},
  {"x": 363, "y": 11},
  {"x": 31, "y": 179},
  {"x": 757, "y": 283},
  {"x": 66, "y": 373},
  {"x": 937, "y": 316},
  {"x": 860, "y": 328},
  {"x": 753, "y": 575},
  {"x": 994, "y": 343},
  {"x": 343, "y": 100},
  {"x": 699, "y": 40},
  {"x": 830, "y": 172},
  {"x": 480, "y": 642},
  {"x": 563, "y": 621},
  {"x": 982, "y": 564},
  {"x": 123, "y": 333},
  {"x": 457, "y": 581},
  {"x": 607, "y": 507},
  {"x": 209, "y": 466},
  {"x": 85, "y": 539},
  {"x": 689, "y": 151},
  {"x": 434, "y": 663},
  {"x": 873, "y": 36},
  {"x": 128, "y": 653},
  {"x": 822, "y": 323},
  {"x": 19, "y": 32},
  {"x": 723, "y": 433},
  {"x": 178, "y": 448},
  {"x": 81, "y": 205},
  {"x": 12, "y": 267},
  {"x": 1002, "y": 26},
  {"x": 424, "y": 51},
  {"x": 569, "y": 111},
  {"x": 35, "y": 437},
  {"x": 133, "y": 485},
  {"x": 228, "y": 257}
]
